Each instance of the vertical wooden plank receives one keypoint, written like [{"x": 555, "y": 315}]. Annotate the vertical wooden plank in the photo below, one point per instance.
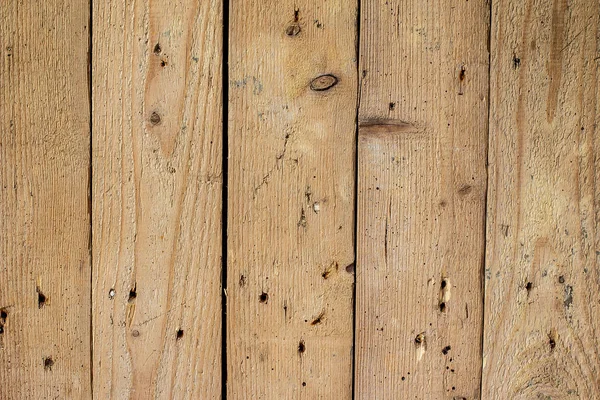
[
  {"x": 542, "y": 308},
  {"x": 421, "y": 201},
  {"x": 44, "y": 186},
  {"x": 157, "y": 182},
  {"x": 291, "y": 199}
]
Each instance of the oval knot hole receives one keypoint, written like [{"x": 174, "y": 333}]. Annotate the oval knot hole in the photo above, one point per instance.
[
  {"x": 323, "y": 82},
  {"x": 155, "y": 118},
  {"x": 292, "y": 30}
]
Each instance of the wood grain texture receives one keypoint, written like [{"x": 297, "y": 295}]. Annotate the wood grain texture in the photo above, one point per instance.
[
  {"x": 291, "y": 199},
  {"x": 44, "y": 186},
  {"x": 421, "y": 200},
  {"x": 157, "y": 184},
  {"x": 542, "y": 307}
]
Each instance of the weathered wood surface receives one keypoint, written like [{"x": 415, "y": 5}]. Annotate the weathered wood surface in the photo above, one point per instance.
[
  {"x": 542, "y": 307},
  {"x": 157, "y": 184},
  {"x": 291, "y": 199},
  {"x": 421, "y": 199},
  {"x": 44, "y": 216}
]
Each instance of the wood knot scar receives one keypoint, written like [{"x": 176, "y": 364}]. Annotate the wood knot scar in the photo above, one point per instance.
[
  {"x": 292, "y": 30},
  {"x": 323, "y": 82},
  {"x": 155, "y": 118}
]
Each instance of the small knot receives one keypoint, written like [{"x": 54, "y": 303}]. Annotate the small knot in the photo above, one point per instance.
[
  {"x": 292, "y": 30},
  {"x": 323, "y": 82},
  {"x": 155, "y": 118}
]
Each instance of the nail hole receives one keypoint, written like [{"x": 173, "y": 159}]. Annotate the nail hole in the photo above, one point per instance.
[
  {"x": 157, "y": 49},
  {"x": 301, "y": 347},
  {"x": 155, "y": 118},
  {"x": 303, "y": 383},
  {"x": 516, "y": 62},
  {"x": 48, "y": 363},
  {"x": 420, "y": 338},
  {"x": 462, "y": 73},
  {"x": 446, "y": 349},
  {"x": 392, "y": 106},
  {"x": 444, "y": 283},
  {"x": 41, "y": 298},
  {"x": 179, "y": 334},
  {"x": 135, "y": 333},
  {"x": 529, "y": 286},
  {"x": 561, "y": 279},
  {"x": 132, "y": 294},
  {"x": 323, "y": 82},
  {"x": 111, "y": 293},
  {"x": 443, "y": 307},
  {"x": 163, "y": 63},
  {"x": 264, "y": 297}
]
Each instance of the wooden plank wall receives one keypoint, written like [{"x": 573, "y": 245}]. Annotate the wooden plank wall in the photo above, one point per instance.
[
  {"x": 542, "y": 305},
  {"x": 44, "y": 212},
  {"x": 421, "y": 198},
  {"x": 157, "y": 184},
  {"x": 292, "y": 101},
  {"x": 449, "y": 149}
]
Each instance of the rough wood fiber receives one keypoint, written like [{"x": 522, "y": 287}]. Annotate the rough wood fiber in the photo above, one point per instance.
[
  {"x": 421, "y": 200},
  {"x": 291, "y": 199},
  {"x": 542, "y": 307},
  {"x": 157, "y": 179},
  {"x": 44, "y": 185}
]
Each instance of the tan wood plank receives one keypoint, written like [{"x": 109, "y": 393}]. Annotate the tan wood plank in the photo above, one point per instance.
[
  {"x": 421, "y": 199},
  {"x": 44, "y": 186},
  {"x": 291, "y": 199},
  {"x": 542, "y": 308},
  {"x": 157, "y": 183}
]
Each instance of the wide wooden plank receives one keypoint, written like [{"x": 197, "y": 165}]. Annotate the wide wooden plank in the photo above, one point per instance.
[
  {"x": 542, "y": 307},
  {"x": 44, "y": 187},
  {"x": 157, "y": 184},
  {"x": 292, "y": 102},
  {"x": 421, "y": 199}
]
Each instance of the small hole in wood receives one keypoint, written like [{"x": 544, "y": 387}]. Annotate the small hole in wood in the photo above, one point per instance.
[
  {"x": 179, "y": 334},
  {"x": 48, "y": 363},
  {"x": 41, "y": 298},
  {"x": 301, "y": 347},
  {"x": 132, "y": 294},
  {"x": 443, "y": 307},
  {"x": 264, "y": 297}
]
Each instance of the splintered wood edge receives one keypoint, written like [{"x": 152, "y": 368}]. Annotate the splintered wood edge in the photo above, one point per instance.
[{"x": 385, "y": 128}]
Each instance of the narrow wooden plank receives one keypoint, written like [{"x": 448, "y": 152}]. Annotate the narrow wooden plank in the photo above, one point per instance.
[
  {"x": 157, "y": 183},
  {"x": 421, "y": 201},
  {"x": 542, "y": 307},
  {"x": 44, "y": 186},
  {"x": 291, "y": 199}
]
